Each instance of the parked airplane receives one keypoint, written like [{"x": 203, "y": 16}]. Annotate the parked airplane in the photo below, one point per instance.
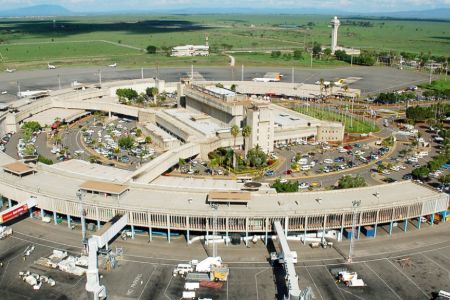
[
  {"x": 273, "y": 77},
  {"x": 50, "y": 67},
  {"x": 10, "y": 70},
  {"x": 338, "y": 83},
  {"x": 113, "y": 65}
]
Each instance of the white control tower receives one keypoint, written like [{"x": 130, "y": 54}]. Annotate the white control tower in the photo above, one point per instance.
[{"x": 335, "y": 23}]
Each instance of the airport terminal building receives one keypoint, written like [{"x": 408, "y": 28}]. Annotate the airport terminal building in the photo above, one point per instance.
[{"x": 272, "y": 125}]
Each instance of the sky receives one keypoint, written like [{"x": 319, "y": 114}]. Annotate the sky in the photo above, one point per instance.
[{"x": 366, "y": 6}]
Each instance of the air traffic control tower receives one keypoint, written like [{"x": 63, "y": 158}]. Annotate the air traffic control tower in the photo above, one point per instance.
[{"x": 335, "y": 23}]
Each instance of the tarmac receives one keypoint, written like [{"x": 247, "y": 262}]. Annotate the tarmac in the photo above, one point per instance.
[
  {"x": 407, "y": 265},
  {"x": 373, "y": 79}
]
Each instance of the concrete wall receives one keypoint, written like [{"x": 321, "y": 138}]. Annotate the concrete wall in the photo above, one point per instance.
[{"x": 330, "y": 133}]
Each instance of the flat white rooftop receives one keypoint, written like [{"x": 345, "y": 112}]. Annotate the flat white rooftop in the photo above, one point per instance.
[
  {"x": 84, "y": 168},
  {"x": 48, "y": 116},
  {"x": 197, "y": 183},
  {"x": 198, "y": 121},
  {"x": 220, "y": 91},
  {"x": 183, "y": 201}
]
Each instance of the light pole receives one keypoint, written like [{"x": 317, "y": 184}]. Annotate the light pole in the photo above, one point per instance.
[
  {"x": 214, "y": 207},
  {"x": 355, "y": 205},
  {"x": 83, "y": 221}
]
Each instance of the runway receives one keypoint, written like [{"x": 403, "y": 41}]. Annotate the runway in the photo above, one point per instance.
[{"x": 374, "y": 79}]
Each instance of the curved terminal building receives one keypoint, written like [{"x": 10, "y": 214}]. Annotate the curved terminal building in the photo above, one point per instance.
[{"x": 200, "y": 124}]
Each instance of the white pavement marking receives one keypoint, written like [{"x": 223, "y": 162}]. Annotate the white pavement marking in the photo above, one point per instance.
[
  {"x": 309, "y": 274},
  {"x": 7, "y": 264},
  {"x": 376, "y": 274},
  {"x": 145, "y": 286},
  {"x": 437, "y": 264},
  {"x": 167, "y": 288},
  {"x": 348, "y": 292},
  {"x": 403, "y": 273},
  {"x": 256, "y": 281}
]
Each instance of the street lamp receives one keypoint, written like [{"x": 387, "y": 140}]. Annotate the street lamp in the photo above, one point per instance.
[
  {"x": 83, "y": 221},
  {"x": 214, "y": 207},
  {"x": 355, "y": 205}
]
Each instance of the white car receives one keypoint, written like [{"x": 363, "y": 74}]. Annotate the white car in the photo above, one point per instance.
[
  {"x": 413, "y": 159},
  {"x": 302, "y": 161},
  {"x": 386, "y": 172},
  {"x": 328, "y": 161},
  {"x": 326, "y": 147},
  {"x": 303, "y": 185},
  {"x": 342, "y": 150},
  {"x": 283, "y": 180},
  {"x": 306, "y": 168},
  {"x": 395, "y": 168}
]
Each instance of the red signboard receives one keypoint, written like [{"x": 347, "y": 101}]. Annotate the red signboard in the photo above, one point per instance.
[{"x": 8, "y": 215}]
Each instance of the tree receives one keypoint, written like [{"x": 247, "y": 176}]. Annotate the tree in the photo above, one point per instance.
[
  {"x": 444, "y": 179},
  {"x": 234, "y": 132},
  {"x": 287, "y": 187},
  {"x": 129, "y": 94},
  {"x": 148, "y": 139},
  {"x": 421, "y": 172},
  {"x": 298, "y": 54},
  {"x": 219, "y": 85},
  {"x": 29, "y": 150},
  {"x": 275, "y": 54},
  {"x": 151, "y": 49},
  {"x": 152, "y": 92},
  {"x": 256, "y": 158},
  {"x": 138, "y": 132},
  {"x": 327, "y": 51},
  {"x": 33, "y": 126},
  {"x": 317, "y": 49},
  {"x": 321, "y": 82},
  {"x": 246, "y": 131},
  {"x": 126, "y": 142},
  {"x": 348, "y": 182},
  {"x": 233, "y": 87}
]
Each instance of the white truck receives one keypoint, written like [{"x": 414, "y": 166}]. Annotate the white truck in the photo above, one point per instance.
[
  {"x": 191, "y": 286},
  {"x": 350, "y": 279},
  {"x": 188, "y": 295},
  {"x": 280, "y": 257},
  {"x": 5, "y": 231}
]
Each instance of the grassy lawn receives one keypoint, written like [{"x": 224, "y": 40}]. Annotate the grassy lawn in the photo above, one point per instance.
[
  {"x": 265, "y": 59},
  {"x": 254, "y": 32},
  {"x": 438, "y": 85},
  {"x": 53, "y": 51},
  {"x": 359, "y": 125}
]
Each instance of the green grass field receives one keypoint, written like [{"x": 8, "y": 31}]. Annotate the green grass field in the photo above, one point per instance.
[
  {"x": 77, "y": 40},
  {"x": 352, "y": 125}
]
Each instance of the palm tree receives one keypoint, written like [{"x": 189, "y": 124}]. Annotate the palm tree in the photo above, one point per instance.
[
  {"x": 331, "y": 87},
  {"x": 321, "y": 80},
  {"x": 246, "y": 131},
  {"x": 234, "y": 132}
]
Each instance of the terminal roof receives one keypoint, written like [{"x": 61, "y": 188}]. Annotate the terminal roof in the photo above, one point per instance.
[
  {"x": 18, "y": 168},
  {"x": 104, "y": 187},
  {"x": 229, "y": 197}
]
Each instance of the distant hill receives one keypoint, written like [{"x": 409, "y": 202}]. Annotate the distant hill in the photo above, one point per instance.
[
  {"x": 37, "y": 11},
  {"x": 57, "y": 10}
]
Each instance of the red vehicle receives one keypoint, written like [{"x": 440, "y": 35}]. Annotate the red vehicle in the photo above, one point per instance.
[
  {"x": 288, "y": 172},
  {"x": 348, "y": 147},
  {"x": 56, "y": 125}
]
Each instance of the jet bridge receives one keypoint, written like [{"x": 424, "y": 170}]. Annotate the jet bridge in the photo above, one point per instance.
[
  {"x": 95, "y": 242},
  {"x": 294, "y": 292}
]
